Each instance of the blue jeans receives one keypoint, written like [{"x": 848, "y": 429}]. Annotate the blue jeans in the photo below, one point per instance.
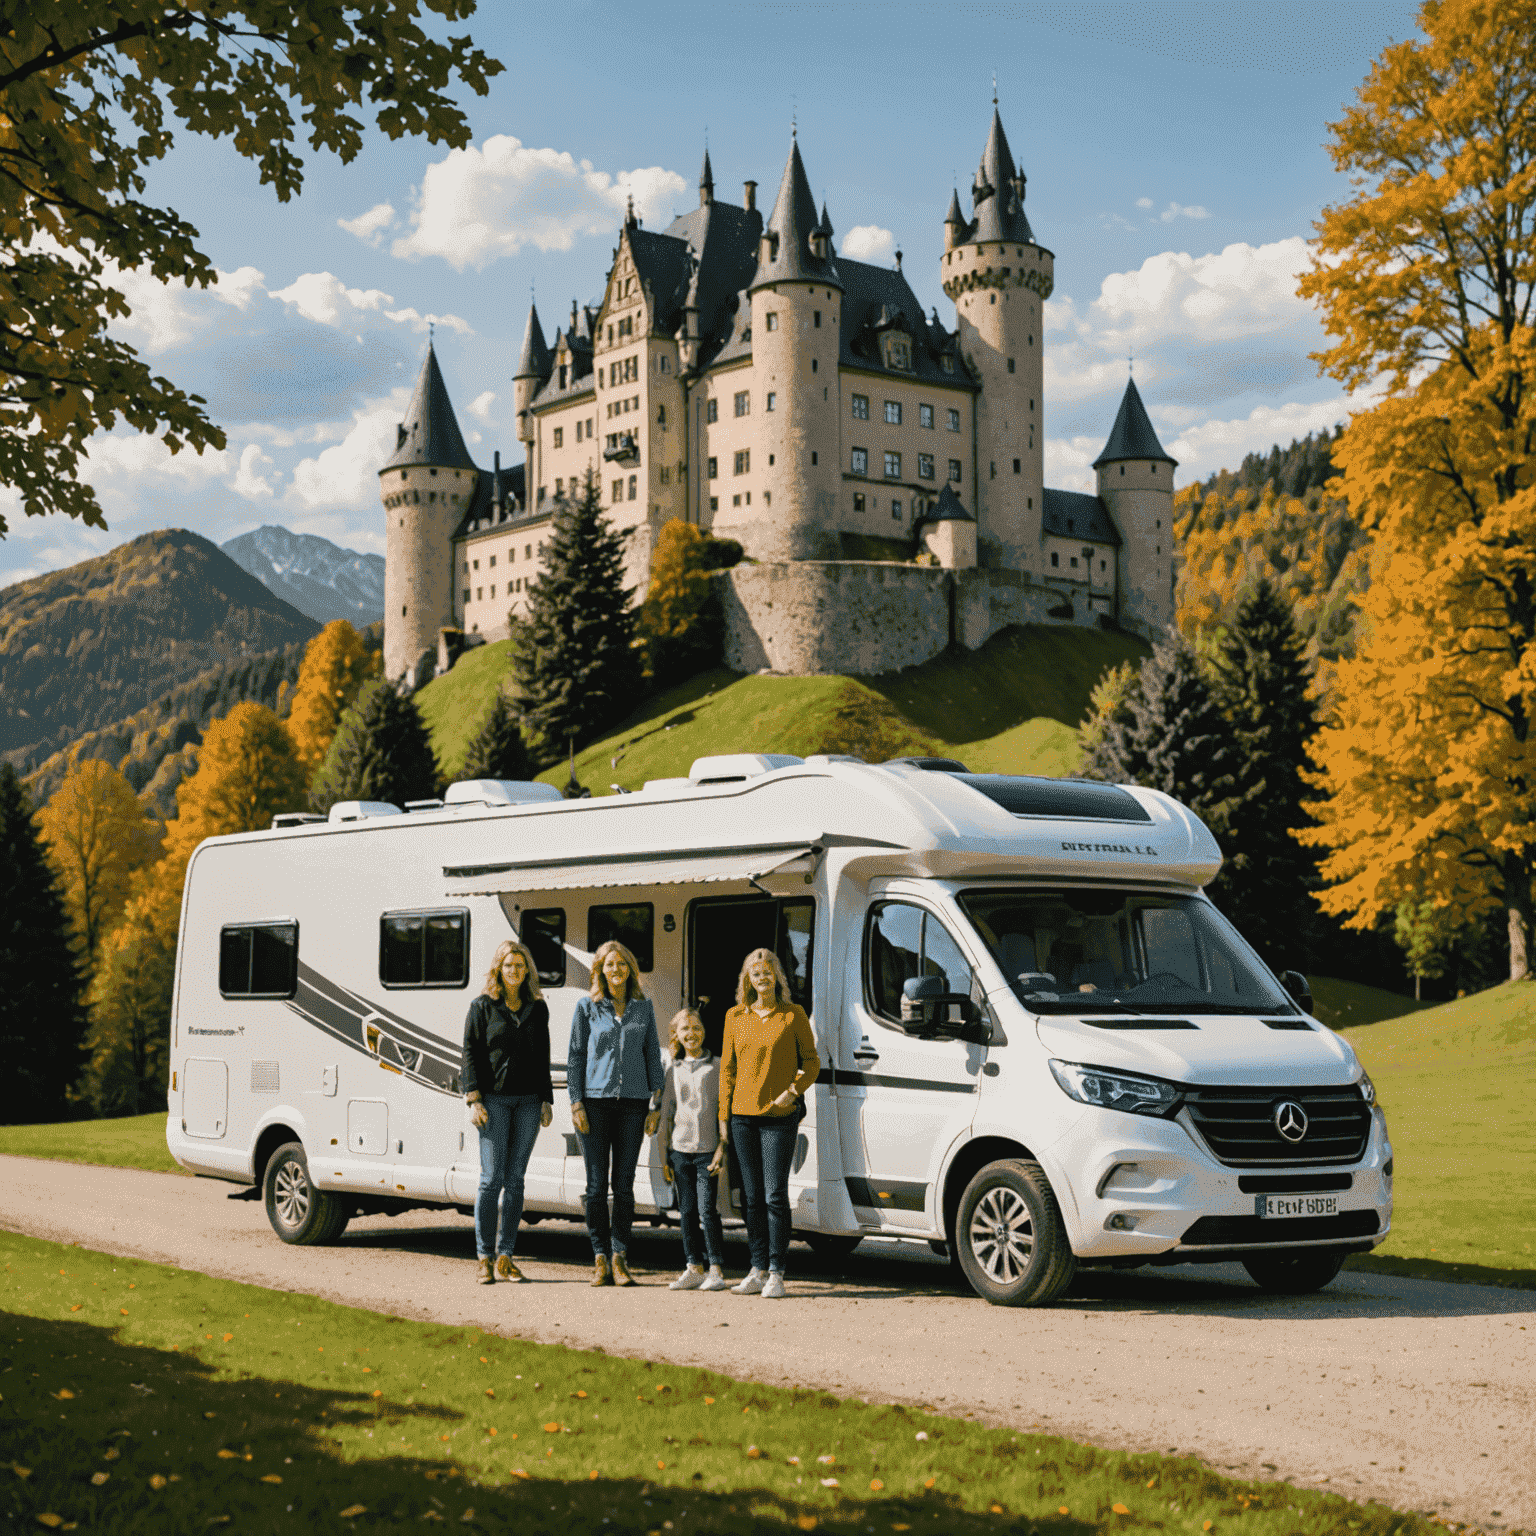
[
  {"x": 616, "y": 1132},
  {"x": 764, "y": 1149},
  {"x": 696, "y": 1187},
  {"x": 506, "y": 1144}
]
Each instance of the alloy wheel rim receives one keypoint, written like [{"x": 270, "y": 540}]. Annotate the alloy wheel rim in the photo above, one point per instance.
[
  {"x": 290, "y": 1195},
  {"x": 1002, "y": 1235}
]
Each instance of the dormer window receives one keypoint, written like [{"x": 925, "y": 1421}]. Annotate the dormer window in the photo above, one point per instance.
[{"x": 898, "y": 353}]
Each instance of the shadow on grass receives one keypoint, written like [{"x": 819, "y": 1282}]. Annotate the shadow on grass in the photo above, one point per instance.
[{"x": 179, "y": 1449}]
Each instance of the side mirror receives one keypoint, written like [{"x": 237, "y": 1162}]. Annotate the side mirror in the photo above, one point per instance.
[
  {"x": 1299, "y": 988},
  {"x": 927, "y": 1008}
]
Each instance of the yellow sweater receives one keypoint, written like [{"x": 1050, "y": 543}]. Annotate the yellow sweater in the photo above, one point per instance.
[{"x": 761, "y": 1057}]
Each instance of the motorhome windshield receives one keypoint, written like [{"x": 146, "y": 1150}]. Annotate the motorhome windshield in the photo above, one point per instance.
[{"x": 1099, "y": 951}]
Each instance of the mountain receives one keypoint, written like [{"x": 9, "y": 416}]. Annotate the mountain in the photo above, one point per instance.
[
  {"x": 319, "y": 578},
  {"x": 89, "y": 646}
]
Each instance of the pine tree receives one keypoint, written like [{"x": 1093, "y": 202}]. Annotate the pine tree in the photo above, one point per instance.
[
  {"x": 498, "y": 750},
  {"x": 42, "y": 1021},
  {"x": 575, "y": 659},
  {"x": 381, "y": 751}
]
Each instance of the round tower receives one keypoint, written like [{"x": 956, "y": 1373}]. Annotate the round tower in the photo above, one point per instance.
[
  {"x": 1135, "y": 483},
  {"x": 427, "y": 486},
  {"x": 532, "y": 369},
  {"x": 796, "y": 316},
  {"x": 999, "y": 279}
]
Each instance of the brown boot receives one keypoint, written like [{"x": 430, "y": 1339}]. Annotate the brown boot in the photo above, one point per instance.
[
  {"x": 487, "y": 1274},
  {"x": 600, "y": 1273},
  {"x": 506, "y": 1269},
  {"x": 621, "y": 1274}
]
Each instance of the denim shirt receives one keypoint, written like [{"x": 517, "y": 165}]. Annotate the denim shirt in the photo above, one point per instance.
[{"x": 614, "y": 1058}]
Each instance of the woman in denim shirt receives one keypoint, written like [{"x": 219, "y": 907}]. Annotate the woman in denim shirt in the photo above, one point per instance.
[{"x": 614, "y": 1075}]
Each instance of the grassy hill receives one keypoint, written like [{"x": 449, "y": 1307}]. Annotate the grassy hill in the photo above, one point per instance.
[{"x": 1010, "y": 707}]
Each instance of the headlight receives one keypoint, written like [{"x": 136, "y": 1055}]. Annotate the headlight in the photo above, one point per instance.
[
  {"x": 1115, "y": 1090},
  {"x": 1367, "y": 1088}
]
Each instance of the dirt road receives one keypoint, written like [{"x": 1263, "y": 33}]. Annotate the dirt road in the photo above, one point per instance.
[{"x": 1416, "y": 1393}]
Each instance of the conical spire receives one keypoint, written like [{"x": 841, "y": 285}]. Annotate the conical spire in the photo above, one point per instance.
[
  {"x": 1133, "y": 436},
  {"x": 787, "y": 254},
  {"x": 995, "y": 192},
  {"x": 706, "y": 182},
  {"x": 954, "y": 216},
  {"x": 825, "y": 227},
  {"x": 533, "y": 362},
  {"x": 430, "y": 432}
]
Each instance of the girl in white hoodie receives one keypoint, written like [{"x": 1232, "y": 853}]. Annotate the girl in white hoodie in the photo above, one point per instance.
[{"x": 692, "y": 1150}]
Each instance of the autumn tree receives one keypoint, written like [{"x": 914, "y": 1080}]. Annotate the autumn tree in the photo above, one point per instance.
[
  {"x": 381, "y": 751},
  {"x": 98, "y": 836},
  {"x": 41, "y": 1020},
  {"x": 91, "y": 95},
  {"x": 680, "y": 624},
  {"x": 1425, "y": 283},
  {"x": 497, "y": 750},
  {"x": 336, "y": 665}
]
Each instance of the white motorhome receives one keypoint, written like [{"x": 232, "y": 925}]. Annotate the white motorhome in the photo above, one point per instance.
[{"x": 1042, "y": 1045}]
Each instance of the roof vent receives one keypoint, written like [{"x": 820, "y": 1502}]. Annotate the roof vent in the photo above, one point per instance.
[
  {"x": 362, "y": 810},
  {"x": 294, "y": 819},
  {"x": 735, "y": 767},
  {"x": 499, "y": 792}
]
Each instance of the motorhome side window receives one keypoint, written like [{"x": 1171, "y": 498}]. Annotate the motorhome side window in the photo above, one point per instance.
[
  {"x": 632, "y": 926},
  {"x": 905, "y": 941},
  {"x": 424, "y": 949},
  {"x": 259, "y": 960},
  {"x": 543, "y": 931}
]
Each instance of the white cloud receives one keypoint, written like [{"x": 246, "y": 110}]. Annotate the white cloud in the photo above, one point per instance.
[
  {"x": 370, "y": 226},
  {"x": 1069, "y": 462},
  {"x": 1209, "y": 445},
  {"x": 420, "y": 322},
  {"x": 868, "y": 242},
  {"x": 249, "y": 480},
  {"x": 1144, "y": 202},
  {"x": 1180, "y": 211},
  {"x": 120, "y": 457},
  {"x": 481, "y": 405},
  {"x": 240, "y": 288},
  {"x": 346, "y": 475},
  {"x": 490, "y": 200},
  {"x": 323, "y": 297}
]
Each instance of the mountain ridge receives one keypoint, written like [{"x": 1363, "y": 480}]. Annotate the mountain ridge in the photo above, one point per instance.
[{"x": 322, "y": 580}]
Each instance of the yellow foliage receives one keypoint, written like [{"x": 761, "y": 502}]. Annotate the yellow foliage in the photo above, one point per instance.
[{"x": 336, "y": 665}]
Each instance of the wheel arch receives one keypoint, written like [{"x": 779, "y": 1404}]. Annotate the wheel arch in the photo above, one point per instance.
[
  {"x": 966, "y": 1164},
  {"x": 271, "y": 1138}
]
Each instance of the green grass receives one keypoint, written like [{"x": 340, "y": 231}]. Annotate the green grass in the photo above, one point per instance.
[
  {"x": 454, "y": 706},
  {"x": 1344, "y": 1004},
  {"x": 136, "y": 1141},
  {"x": 142, "y": 1398}
]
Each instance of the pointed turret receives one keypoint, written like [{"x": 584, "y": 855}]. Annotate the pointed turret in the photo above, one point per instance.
[
  {"x": 430, "y": 432},
  {"x": 956, "y": 225},
  {"x": 997, "y": 193},
  {"x": 1133, "y": 436},
  {"x": 786, "y": 253},
  {"x": 825, "y": 227},
  {"x": 533, "y": 361},
  {"x": 706, "y": 183}
]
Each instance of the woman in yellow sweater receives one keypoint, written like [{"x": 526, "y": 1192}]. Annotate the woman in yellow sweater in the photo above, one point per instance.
[{"x": 767, "y": 1062}]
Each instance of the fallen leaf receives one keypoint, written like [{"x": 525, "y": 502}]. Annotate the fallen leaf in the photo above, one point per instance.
[
  {"x": 997, "y": 1509},
  {"x": 157, "y": 1482},
  {"x": 352, "y": 1511},
  {"x": 227, "y": 1336},
  {"x": 592, "y": 1475},
  {"x": 1119, "y": 1509},
  {"x": 1152, "y": 1482},
  {"x": 1209, "y": 1523},
  {"x": 709, "y": 1402},
  {"x": 20, "y": 1470},
  {"x": 875, "y": 1485},
  {"x": 929, "y": 1484},
  {"x": 484, "y": 1361},
  {"x": 123, "y": 1310},
  {"x": 1064, "y": 1510},
  {"x": 271, "y": 1477},
  {"x": 111, "y": 1455},
  {"x": 468, "y": 1515},
  {"x": 794, "y": 1461},
  {"x": 52, "y": 1521},
  {"x": 806, "y": 1522},
  {"x": 209, "y": 1414},
  {"x": 493, "y": 1430},
  {"x": 490, "y": 1391},
  {"x": 551, "y": 1428},
  {"x": 229, "y": 1455},
  {"x": 98, "y": 1478},
  {"x": 63, "y": 1394},
  {"x": 900, "y": 1527},
  {"x": 753, "y": 1454},
  {"x": 378, "y": 1392},
  {"x": 518, "y": 1472},
  {"x": 581, "y": 1394},
  {"x": 77, "y": 1306}
]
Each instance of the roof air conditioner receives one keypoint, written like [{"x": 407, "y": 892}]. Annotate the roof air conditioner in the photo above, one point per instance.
[
  {"x": 734, "y": 767},
  {"x": 362, "y": 810},
  {"x": 499, "y": 792}
]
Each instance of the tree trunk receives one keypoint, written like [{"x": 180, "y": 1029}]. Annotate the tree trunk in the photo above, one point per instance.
[
  {"x": 1520, "y": 939},
  {"x": 1418, "y": 985}
]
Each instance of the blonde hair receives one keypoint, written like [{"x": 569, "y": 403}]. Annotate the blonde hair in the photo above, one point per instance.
[
  {"x": 681, "y": 1017},
  {"x": 746, "y": 993},
  {"x": 599, "y": 988},
  {"x": 497, "y": 988}
]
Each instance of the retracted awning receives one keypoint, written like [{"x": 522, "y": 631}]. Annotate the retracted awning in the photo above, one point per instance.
[{"x": 691, "y": 866}]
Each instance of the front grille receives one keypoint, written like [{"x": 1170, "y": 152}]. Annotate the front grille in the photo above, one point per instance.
[
  {"x": 1238, "y": 1124},
  {"x": 1294, "y": 1184},
  {"x": 1222, "y": 1231}
]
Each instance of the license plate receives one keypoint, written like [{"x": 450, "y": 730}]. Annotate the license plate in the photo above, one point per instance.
[{"x": 1282, "y": 1206}]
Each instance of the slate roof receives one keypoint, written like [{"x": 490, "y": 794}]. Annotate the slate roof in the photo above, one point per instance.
[
  {"x": 1132, "y": 436},
  {"x": 872, "y": 298},
  {"x": 788, "y": 256},
  {"x": 534, "y": 360},
  {"x": 947, "y": 509},
  {"x": 1073, "y": 515},
  {"x": 483, "y": 507},
  {"x": 430, "y": 432},
  {"x": 997, "y": 195}
]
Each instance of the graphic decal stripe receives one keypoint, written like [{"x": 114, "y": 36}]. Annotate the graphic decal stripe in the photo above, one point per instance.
[
  {"x": 848, "y": 1079},
  {"x": 402, "y": 1028}
]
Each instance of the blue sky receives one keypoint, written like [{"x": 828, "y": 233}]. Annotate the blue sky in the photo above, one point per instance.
[{"x": 1176, "y": 155}]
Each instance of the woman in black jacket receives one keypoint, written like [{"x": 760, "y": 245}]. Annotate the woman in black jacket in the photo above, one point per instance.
[{"x": 506, "y": 1083}]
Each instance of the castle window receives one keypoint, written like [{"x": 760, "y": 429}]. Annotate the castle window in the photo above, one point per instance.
[
  {"x": 1101, "y": 565},
  {"x": 1016, "y": 463},
  {"x": 814, "y": 365},
  {"x": 711, "y": 410},
  {"x": 771, "y": 401},
  {"x": 1122, "y": 469},
  {"x": 767, "y": 498},
  {"x": 736, "y": 501},
  {"x": 859, "y": 461},
  {"x": 714, "y": 468},
  {"x": 493, "y": 589},
  {"x": 896, "y": 509},
  {"x": 952, "y": 421},
  {"x": 528, "y": 552},
  {"x": 559, "y": 437},
  {"x": 992, "y": 467},
  {"x": 743, "y": 461},
  {"x": 925, "y": 466},
  {"x": 893, "y": 413},
  {"x": 1073, "y": 562},
  {"x": 861, "y": 407},
  {"x": 898, "y": 353},
  {"x": 1055, "y": 558},
  {"x": 662, "y": 363},
  {"x": 1010, "y": 365},
  {"x": 661, "y": 415},
  {"x": 816, "y": 318},
  {"x": 562, "y": 376},
  {"x": 925, "y": 416},
  {"x": 466, "y": 597},
  {"x": 813, "y": 457},
  {"x": 771, "y": 320},
  {"x": 618, "y": 490},
  {"x": 479, "y": 593},
  {"x": 893, "y": 466},
  {"x": 664, "y": 475},
  {"x": 954, "y": 471},
  {"x": 742, "y": 402},
  {"x": 477, "y": 565},
  {"x": 432, "y": 495},
  {"x": 714, "y": 503},
  {"x": 493, "y": 562},
  {"x": 632, "y": 479},
  {"x": 1031, "y": 405},
  {"x": 559, "y": 491}
]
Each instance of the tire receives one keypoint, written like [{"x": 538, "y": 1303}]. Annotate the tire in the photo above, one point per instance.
[
  {"x": 833, "y": 1245},
  {"x": 299, "y": 1212},
  {"x": 1294, "y": 1273},
  {"x": 1009, "y": 1237}
]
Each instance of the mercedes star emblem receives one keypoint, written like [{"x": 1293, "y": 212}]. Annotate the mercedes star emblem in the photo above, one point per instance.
[{"x": 1290, "y": 1120}]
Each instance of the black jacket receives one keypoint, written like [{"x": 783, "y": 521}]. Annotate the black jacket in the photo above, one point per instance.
[{"x": 503, "y": 1056}]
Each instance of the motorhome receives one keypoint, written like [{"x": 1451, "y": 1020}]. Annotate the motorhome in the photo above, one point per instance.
[{"x": 1042, "y": 1045}]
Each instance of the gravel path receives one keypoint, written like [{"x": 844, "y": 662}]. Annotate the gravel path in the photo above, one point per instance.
[{"x": 1416, "y": 1393}]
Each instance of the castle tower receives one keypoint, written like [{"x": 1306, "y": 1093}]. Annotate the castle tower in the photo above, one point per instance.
[
  {"x": 1136, "y": 485},
  {"x": 706, "y": 183},
  {"x": 426, "y": 487},
  {"x": 532, "y": 370},
  {"x": 999, "y": 279},
  {"x": 797, "y": 305}
]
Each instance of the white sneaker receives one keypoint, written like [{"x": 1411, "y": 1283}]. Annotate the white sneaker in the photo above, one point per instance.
[
  {"x": 773, "y": 1286},
  {"x": 690, "y": 1279},
  {"x": 751, "y": 1285},
  {"x": 714, "y": 1280}
]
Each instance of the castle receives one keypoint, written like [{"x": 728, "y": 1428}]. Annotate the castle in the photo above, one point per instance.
[{"x": 884, "y": 475}]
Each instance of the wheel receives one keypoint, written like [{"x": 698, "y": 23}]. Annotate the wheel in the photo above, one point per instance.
[
  {"x": 299, "y": 1212},
  {"x": 1009, "y": 1237},
  {"x": 832, "y": 1245},
  {"x": 1296, "y": 1272}
]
